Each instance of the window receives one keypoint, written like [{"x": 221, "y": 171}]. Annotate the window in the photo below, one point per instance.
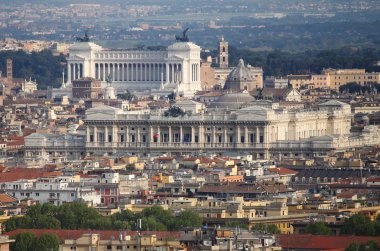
[
  {"x": 72, "y": 194},
  {"x": 122, "y": 138},
  {"x": 208, "y": 138},
  {"x": 133, "y": 138},
  {"x": 37, "y": 194},
  {"x": 196, "y": 138},
  {"x": 110, "y": 138},
  {"x": 109, "y": 247},
  {"x": 242, "y": 139},
  {"x": 144, "y": 138},
  {"x": 220, "y": 138},
  {"x": 91, "y": 138},
  {"x": 231, "y": 139},
  {"x": 261, "y": 139}
]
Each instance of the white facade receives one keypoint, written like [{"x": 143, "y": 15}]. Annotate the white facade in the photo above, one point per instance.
[
  {"x": 56, "y": 190},
  {"x": 50, "y": 148},
  {"x": 177, "y": 68},
  {"x": 256, "y": 130}
]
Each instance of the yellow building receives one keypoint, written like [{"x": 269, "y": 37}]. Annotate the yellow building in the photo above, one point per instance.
[
  {"x": 95, "y": 242},
  {"x": 341, "y": 77},
  {"x": 334, "y": 78}
]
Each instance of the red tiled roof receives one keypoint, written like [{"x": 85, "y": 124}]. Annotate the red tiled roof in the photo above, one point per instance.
[
  {"x": 14, "y": 174},
  {"x": 319, "y": 242},
  {"x": 190, "y": 159},
  {"x": 164, "y": 158},
  {"x": 373, "y": 179},
  {"x": 5, "y": 198},
  {"x": 104, "y": 234},
  {"x": 282, "y": 171}
]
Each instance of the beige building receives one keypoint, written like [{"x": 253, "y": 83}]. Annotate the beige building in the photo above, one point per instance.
[
  {"x": 263, "y": 130},
  {"x": 207, "y": 76},
  {"x": 296, "y": 81},
  {"x": 123, "y": 242},
  {"x": 334, "y": 78},
  {"x": 337, "y": 78}
]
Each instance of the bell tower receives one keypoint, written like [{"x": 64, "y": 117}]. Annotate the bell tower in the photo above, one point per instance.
[
  {"x": 9, "y": 70},
  {"x": 223, "y": 53}
]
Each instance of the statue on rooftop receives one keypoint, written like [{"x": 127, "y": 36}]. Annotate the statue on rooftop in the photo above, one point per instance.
[
  {"x": 109, "y": 80},
  {"x": 85, "y": 38},
  {"x": 184, "y": 37}
]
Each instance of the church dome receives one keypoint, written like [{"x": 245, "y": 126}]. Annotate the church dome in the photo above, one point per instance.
[
  {"x": 241, "y": 72},
  {"x": 240, "y": 78},
  {"x": 232, "y": 101}
]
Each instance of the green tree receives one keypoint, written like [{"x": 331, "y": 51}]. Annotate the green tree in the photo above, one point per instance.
[
  {"x": 359, "y": 224},
  {"x": 46, "y": 222},
  {"x": 47, "y": 242},
  {"x": 369, "y": 246},
  {"x": 235, "y": 224},
  {"x": 24, "y": 242},
  {"x": 174, "y": 111},
  {"x": 266, "y": 228},
  {"x": 318, "y": 228},
  {"x": 188, "y": 218}
]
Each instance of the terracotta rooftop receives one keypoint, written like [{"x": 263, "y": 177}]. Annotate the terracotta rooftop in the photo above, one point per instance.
[
  {"x": 14, "y": 174},
  {"x": 5, "y": 198},
  {"x": 247, "y": 188},
  {"x": 282, "y": 171},
  {"x": 323, "y": 243}
]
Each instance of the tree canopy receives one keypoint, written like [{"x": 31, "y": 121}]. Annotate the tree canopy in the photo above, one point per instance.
[
  {"x": 282, "y": 63},
  {"x": 77, "y": 215},
  {"x": 369, "y": 246},
  {"x": 355, "y": 88},
  {"x": 359, "y": 224},
  {"x": 318, "y": 228},
  {"x": 42, "y": 66},
  {"x": 266, "y": 228},
  {"x": 174, "y": 111}
]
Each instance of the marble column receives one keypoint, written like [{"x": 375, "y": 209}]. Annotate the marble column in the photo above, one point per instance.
[
  {"x": 96, "y": 135},
  {"x": 192, "y": 134},
  {"x": 69, "y": 73},
  {"x": 167, "y": 73},
  {"x": 245, "y": 135},
  {"x": 170, "y": 134},
  {"x": 105, "y": 134}
]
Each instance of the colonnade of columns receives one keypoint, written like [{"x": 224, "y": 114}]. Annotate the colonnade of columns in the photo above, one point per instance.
[
  {"x": 251, "y": 135},
  {"x": 134, "y": 72},
  {"x": 74, "y": 71},
  {"x": 195, "y": 72}
]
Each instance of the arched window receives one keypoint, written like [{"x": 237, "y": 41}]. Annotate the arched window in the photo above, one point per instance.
[{"x": 224, "y": 49}]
